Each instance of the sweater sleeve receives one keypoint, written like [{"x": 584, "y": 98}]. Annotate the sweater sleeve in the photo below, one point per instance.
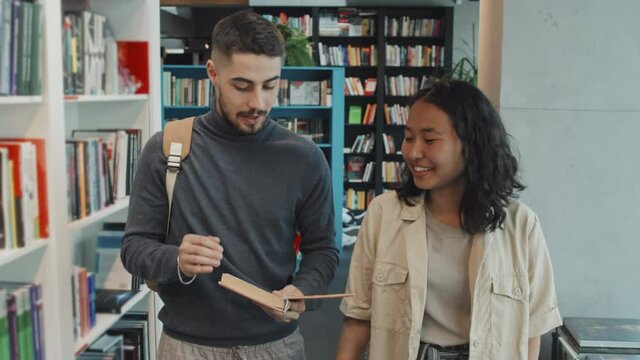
[
  {"x": 144, "y": 252},
  {"x": 315, "y": 221}
]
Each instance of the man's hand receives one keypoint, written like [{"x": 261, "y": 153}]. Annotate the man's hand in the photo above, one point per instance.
[
  {"x": 296, "y": 307},
  {"x": 199, "y": 254}
]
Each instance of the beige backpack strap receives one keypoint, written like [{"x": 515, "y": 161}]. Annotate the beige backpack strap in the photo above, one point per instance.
[{"x": 176, "y": 143}]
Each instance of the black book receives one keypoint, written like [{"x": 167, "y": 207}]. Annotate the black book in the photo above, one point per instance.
[{"x": 111, "y": 301}]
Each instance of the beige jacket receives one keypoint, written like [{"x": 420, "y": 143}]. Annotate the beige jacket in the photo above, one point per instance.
[{"x": 510, "y": 280}]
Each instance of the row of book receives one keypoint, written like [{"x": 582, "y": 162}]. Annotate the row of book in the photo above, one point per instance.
[
  {"x": 392, "y": 171},
  {"x": 358, "y": 199},
  {"x": 389, "y": 144},
  {"x": 405, "y": 85},
  {"x": 355, "y": 116},
  {"x": 347, "y": 22},
  {"x": 341, "y": 55},
  {"x": 414, "y": 56},
  {"x": 95, "y": 63},
  {"x": 83, "y": 294},
  {"x": 127, "y": 339},
  {"x": 353, "y": 86},
  {"x": 362, "y": 144},
  {"x": 407, "y": 26},
  {"x": 311, "y": 128},
  {"x": 396, "y": 114},
  {"x": 185, "y": 91},
  {"x": 100, "y": 166},
  {"x": 359, "y": 170},
  {"x": 24, "y": 212},
  {"x": 303, "y": 24},
  {"x": 304, "y": 93},
  {"x": 21, "y": 23},
  {"x": 21, "y": 321}
]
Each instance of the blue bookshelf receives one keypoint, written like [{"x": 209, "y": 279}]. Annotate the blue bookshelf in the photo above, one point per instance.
[{"x": 332, "y": 115}]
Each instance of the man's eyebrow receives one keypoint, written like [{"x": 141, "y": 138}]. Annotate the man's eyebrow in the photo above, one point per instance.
[{"x": 247, "y": 81}]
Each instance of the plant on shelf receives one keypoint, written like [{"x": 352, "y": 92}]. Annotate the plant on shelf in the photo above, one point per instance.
[
  {"x": 466, "y": 68},
  {"x": 297, "y": 47}
]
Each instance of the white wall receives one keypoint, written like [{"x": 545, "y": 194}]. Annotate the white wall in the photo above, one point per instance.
[{"x": 569, "y": 96}]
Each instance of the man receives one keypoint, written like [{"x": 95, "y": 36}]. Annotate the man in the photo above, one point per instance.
[{"x": 244, "y": 190}]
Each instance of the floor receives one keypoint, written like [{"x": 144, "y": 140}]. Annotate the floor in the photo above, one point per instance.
[{"x": 321, "y": 327}]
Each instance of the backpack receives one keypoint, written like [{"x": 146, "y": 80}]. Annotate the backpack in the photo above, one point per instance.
[{"x": 176, "y": 143}]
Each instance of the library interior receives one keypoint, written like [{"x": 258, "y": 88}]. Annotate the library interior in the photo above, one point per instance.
[{"x": 275, "y": 238}]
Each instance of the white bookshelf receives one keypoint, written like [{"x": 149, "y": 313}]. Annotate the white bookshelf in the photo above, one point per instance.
[
  {"x": 99, "y": 215},
  {"x": 104, "y": 98},
  {"x": 20, "y": 100},
  {"x": 8, "y": 256},
  {"x": 52, "y": 116}
]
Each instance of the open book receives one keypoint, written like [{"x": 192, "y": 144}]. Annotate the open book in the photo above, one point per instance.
[{"x": 264, "y": 297}]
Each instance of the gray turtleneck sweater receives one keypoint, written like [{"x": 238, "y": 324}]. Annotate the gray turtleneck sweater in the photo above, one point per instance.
[{"x": 253, "y": 192}]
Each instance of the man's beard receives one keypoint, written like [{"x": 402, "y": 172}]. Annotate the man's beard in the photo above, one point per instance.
[{"x": 237, "y": 126}]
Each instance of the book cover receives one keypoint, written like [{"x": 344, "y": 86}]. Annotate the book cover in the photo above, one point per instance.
[
  {"x": 264, "y": 297},
  {"x": 254, "y": 293},
  {"x": 355, "y": 115},
  {"x": 604, "y": 332}
]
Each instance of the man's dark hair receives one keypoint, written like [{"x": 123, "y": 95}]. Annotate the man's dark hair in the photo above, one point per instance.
[
  {"x": 491, "y": 169},
  {"x": 246, "y": 32}
]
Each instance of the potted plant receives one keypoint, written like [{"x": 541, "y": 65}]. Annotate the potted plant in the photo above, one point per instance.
[{"x": 297, "y": 47}]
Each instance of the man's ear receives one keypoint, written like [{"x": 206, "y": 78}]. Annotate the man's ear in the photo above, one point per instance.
[{"x": 212, "y": 73}]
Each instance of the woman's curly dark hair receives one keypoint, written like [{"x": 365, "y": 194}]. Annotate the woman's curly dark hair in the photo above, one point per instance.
[{"x": 491, "y": 169}]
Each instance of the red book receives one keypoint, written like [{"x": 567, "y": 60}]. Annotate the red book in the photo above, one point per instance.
[
  {"x": 43, "y": 203},
  {"x": 133, "y": 60}
]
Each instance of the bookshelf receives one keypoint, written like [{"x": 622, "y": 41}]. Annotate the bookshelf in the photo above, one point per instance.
[
  {"x": 331, "y": 116},
  {"x": 388, "y": 44},
  {"x": 51, "y": 115}
]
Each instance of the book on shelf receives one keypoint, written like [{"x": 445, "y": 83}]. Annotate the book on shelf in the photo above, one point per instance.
[
  {"x": 134, "y": 329},
  {"x": 105, "y": 347},
  {"x": 370, "y": 86},
  {"x": 24, "y": 175},
  {"x": 304, "y": 93},
  {"x": 111, "y": 301},
  {"x": 110, "y": 272},
  {"x": 21, "y": 321},
  {"x": 20, "y": 47},
  {"x": 355, "y": 168},
  {"x": 358, "y": 199},
  {"x": 41, "y": 182},
  {"x": 355, "y": 115},
  {"x": 95, "y": 63}
]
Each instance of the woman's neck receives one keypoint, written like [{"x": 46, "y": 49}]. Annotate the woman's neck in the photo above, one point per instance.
[{"x": 444, "y": 204}]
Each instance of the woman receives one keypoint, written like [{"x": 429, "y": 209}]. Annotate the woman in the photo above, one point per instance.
[{"x": 451, "y": 265}]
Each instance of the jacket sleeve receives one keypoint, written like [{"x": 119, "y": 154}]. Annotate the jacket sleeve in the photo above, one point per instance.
[
  {"x": 144, "y": 252},
  {"x": 361, "y": 268},
  {"x": 543, "y": 304},
  {"x": 315, "y": 221}
]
